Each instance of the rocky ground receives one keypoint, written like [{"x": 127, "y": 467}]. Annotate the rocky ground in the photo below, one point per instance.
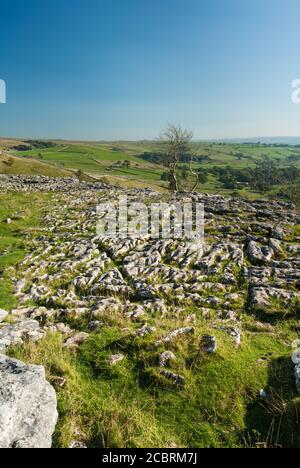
[
  {"x": 16, "y": 183},
  {"x": 73, "y": 281}
]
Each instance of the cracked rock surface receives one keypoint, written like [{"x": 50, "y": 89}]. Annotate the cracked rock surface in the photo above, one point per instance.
[
  {"x": 250, "y": 261},
  {"x": 77, "y": 280}
]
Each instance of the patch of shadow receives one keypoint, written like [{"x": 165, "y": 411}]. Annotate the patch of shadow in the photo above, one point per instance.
[{"x": 272, "y": 420}]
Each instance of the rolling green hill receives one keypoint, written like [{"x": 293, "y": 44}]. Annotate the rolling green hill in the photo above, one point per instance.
[
  {"x": 13, "y": 165},
  {"x": 97, "y": 161}
]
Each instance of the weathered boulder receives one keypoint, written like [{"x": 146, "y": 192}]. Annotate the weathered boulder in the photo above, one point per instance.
[
  {"x": 76, "y": 340},
  {"x": 259, "y": 298},
  {"x": 165, "y": 358},
  {"x": 105, "y": 304},
  {"x": 277, "y": 233},
  {"x": 259, "y": 253},
  {"x": 28, "y": 413},
  {"x": 18, "y": 333},
  {"x": 276, "y": 245}
]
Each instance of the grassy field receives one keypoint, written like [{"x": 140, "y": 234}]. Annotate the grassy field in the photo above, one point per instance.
[
  {"x": 84, "y": 157},
  {"x": 132, "y": 405},
  {"x": 95, "y": 161}
]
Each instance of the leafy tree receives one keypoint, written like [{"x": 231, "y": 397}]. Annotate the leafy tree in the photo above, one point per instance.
[
  {"x": 265, "y": 175},
  {"x": 202, "y": 177},
  {"x": 184, "y": 173},
  {"x": 165, "y": 177}
]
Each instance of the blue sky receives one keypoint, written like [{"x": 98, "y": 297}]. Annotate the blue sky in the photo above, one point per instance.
[{"x": 122, "y": 69}]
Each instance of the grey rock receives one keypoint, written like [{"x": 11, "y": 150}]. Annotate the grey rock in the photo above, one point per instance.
[
  {"x": 145, "y": 330},
  {"x": 259, "y": 327},
  {"x": 3, "y": 315},
  {"x": 28, "y": 407},
  {"x": 259, "y": 254},
  {"x": 95, "y": 325},
  {"x": 19, "y": 286},
  {"x": 106, "y": 304},
  {"x": 276, "y": 246},
  {"x": 277, "y": 233},
  {"x": 18, "y": 333},
  {"x": 76, "y": 340},
  {"x": 175, "y": 333},
  {"x": 77, "y": 444},
  {"x": 176, "y": 378},
  {"x": 62, "y": 328},
  {"x": 264, "y": 394},
  {"x": 208, "y": 344},
  {"x": 115, "y": 359},
  {"x": 165, "y": 358},
  {"x": 260, "y": 297}
]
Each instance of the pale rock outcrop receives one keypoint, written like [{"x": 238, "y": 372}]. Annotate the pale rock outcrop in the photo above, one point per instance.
[
  {"x": 28, "y": 406},
  {"x": 166, "y": 357},
  {"x": 18, "y": 333},
  {"x": 259, "y": 253}
]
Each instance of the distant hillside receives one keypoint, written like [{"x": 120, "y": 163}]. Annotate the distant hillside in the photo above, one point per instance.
[
  {"x": 13, "y": 165},
  {"x": 223, "y": 168}
]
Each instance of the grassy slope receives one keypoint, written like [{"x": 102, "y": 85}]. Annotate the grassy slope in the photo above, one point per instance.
[
  {"x": 131, "y": 405},
  {"x": 82, "y": 157},
  {"x": 12, "y": 165},
  {"x": 96, "y": 161}
]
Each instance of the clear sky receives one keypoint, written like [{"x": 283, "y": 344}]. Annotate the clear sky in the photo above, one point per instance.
[{"x": 122, "y": 69}]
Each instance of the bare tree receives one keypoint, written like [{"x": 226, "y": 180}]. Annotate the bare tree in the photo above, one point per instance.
[{"x": 176, "y": 142}]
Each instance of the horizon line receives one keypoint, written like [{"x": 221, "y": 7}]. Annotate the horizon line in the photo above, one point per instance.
[{"x": 196, "y": 140}]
